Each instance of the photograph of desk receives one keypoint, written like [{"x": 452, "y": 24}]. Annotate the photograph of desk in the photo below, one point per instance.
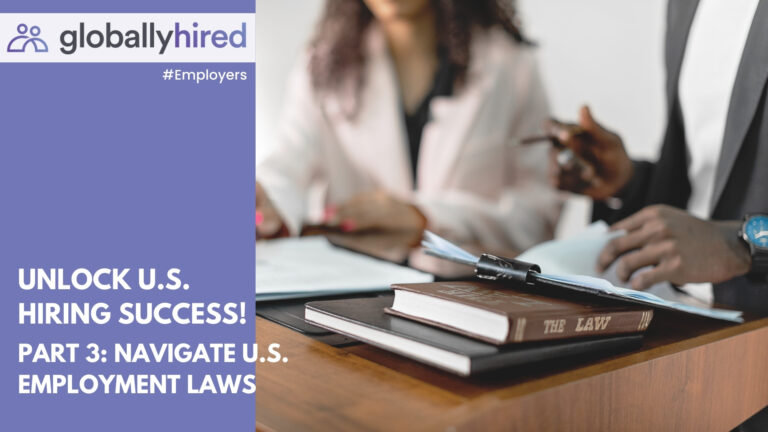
[{"x": 691, "y": 374}]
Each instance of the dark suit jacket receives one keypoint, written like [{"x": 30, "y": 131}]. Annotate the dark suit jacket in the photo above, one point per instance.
[{"x": 741, "y": 181}]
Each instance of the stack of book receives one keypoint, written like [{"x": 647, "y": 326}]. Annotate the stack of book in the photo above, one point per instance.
[{"x": 473, "y": 327}]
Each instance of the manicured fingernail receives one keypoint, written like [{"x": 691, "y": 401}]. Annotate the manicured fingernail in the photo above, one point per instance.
[
  {"x": 259, "y": 218},
  {"x": 329, "y": 212},
  {"x": 348, "y": 225}
]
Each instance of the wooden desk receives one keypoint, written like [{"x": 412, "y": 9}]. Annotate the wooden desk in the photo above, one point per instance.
[{"x": 691, "y": 374}]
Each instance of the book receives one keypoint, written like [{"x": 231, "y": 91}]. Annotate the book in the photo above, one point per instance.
[
  {"x": 497, "y": 315},
  {"x": 364, "y": 319},
  {"x": 569, "y": 265}
]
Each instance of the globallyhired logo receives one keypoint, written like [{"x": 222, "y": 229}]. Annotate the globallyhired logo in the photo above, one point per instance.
[
  {"x": 27, "y": 38},
  {"x": 147, "y": 35}
]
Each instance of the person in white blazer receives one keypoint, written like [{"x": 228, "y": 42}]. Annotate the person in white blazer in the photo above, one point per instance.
[{"x": 347, "y": 127}]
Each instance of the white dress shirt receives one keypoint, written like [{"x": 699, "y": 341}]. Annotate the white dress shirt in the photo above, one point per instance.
[{"x": 712, "y": 56}]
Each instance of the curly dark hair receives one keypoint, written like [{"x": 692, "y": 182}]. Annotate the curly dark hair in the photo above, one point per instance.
[{"x": 337, "y": 56}]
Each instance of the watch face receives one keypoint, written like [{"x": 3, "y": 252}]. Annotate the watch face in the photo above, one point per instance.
[{"x": 756, "y": 231}]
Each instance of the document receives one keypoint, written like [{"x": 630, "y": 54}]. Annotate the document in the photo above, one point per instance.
[
  {"x": 602, "y": 286},
  {"x": 313, "y": 267},
  {"x": 577, "y": 255},
  {"x": 574, "y": 255},
  {"x": 573, "y": 262}
]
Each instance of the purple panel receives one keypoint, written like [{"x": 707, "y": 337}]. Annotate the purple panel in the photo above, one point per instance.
[{"x": 108, "y": 165}]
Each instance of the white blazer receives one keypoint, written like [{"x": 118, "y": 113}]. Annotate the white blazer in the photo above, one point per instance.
[{"x": 473, "y": 183}]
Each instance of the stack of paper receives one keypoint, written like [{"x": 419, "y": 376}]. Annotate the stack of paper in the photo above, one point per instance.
[
  {"x": 574, "y": 255},
  {"x": 313, "y": 267},
  {"x": 602, "y": 286},
  {"x": 577, "y": 255},
  {"x": 573, "y": 262}
]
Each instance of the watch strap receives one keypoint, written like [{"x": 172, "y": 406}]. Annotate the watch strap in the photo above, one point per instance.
[{"x": 759, "y": 261}]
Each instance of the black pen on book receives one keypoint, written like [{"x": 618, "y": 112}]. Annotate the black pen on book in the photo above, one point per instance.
[{"x": 486, "y": 266}]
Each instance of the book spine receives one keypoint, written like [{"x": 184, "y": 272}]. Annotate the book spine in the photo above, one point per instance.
[{"x": 529, "y": 329}]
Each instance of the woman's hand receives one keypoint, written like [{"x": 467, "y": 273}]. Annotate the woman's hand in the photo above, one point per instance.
[
  {"x": 377, "y": 210},
  {"x": 269, "y": 224},
  {"x": 679, "y": 247}
]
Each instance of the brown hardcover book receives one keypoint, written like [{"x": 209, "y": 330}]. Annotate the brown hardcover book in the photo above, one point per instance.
[{"x": 485, "y": 311}]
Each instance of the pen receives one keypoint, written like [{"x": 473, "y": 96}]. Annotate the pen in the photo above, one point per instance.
[
  {"x": 566, "y": 158},
  {"x": 536, "y": 139},
  {"x": 551, "y": 137}
]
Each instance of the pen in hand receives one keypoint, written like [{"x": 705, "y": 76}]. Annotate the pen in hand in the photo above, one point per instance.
[
  {"x": 566, "y": 158},
  {"x": 598, "y": 165}
]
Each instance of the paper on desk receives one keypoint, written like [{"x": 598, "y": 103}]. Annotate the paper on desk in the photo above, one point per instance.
[
  {"x": 577, "y": 255},
  {"x": 646, "y": 297},
  {"x": 574, "y": 255},
  {"x": 573, "y": 261},
  {"x": 313, "y": 267}
]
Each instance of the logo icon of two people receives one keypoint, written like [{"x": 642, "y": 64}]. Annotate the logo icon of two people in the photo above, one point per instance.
[{"x": 20, "y": 42}]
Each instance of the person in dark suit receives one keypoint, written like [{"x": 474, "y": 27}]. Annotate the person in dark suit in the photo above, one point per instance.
[
  {"x": 687, "y": 213},
  {"x": 698, "y": 214}
]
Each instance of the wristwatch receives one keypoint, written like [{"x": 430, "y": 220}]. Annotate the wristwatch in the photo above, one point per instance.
[{"x": 754, "y": 231}]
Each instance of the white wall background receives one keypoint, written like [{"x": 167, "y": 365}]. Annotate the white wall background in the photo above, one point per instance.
[
  {"x": 283, "y": 28},
  {"x": 605, "y": 53}
]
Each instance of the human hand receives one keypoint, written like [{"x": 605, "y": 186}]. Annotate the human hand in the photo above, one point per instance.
[
  {"x": 606, "y": 167},
  {"x": 376, "y": 210},
  {"x": 269, "y": 224},
  {"x": 680, "y": 248}
]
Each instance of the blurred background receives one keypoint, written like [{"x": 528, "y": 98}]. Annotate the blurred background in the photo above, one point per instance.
[{"x": 605, "y": 53}]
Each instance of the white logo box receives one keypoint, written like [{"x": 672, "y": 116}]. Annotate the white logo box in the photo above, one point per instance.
[{"x": 53, "y": 25}]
